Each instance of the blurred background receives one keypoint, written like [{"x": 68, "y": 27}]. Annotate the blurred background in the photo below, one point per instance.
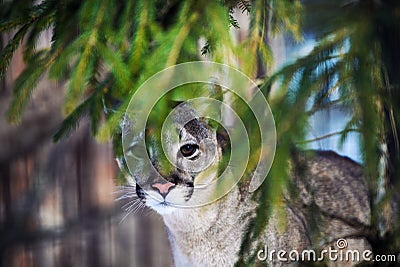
[
  {"x": 58, "y": 200},
  {"x": 85, "y": 59}
]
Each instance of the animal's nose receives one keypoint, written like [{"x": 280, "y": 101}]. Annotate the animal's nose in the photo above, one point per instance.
[{"x": 163, "y": 189}]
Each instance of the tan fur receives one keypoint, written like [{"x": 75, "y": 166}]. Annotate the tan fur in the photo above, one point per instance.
[
  {"x": 212, "y": 235},
  {"x": 325, "y": 201}
]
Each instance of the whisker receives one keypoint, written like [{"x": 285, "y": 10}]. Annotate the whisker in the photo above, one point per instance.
[
  {"x": 124, "y": 189},
  {"x": 125, "y": 196},
  {"x": 137, "y": 207},
  {"x": 125, "y": 192},
  {"x": 126, "y": 215},
  {"x": 127, "y": 205},
  {"x": 134, "y": 205}
]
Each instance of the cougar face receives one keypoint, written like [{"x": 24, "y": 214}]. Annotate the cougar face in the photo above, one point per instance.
[{"x": 180, "y": 169}]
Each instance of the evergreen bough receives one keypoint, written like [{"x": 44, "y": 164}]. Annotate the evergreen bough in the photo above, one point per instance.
[{"x": 105, "y": 49}]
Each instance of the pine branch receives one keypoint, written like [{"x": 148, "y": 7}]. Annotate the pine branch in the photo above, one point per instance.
[
  {"x": 141, "y": 38},
  {"x": 27, "y": 82},
  {"x": 107, "y": 130},
  {"x": 122, "y": 25},
  {"x": 95, "y": 113},
  {"x": 206, "y": 49},
  {"x": 326, "y": 105},
  {"x": 7, "y": 26},
  {"x": 244, "y": 6},
  {"x": 83, "y": 68},
  {"x": 61, "y": 67},
  {"x": 80, "y": 76},
  {"x": 65, "y": 28},
  {"x": 232, "y": 21},
  {"x": 91, "y": 107},
  {"x": 32, "y": 15},
  {"x": 71, "y": 122},
  {"x": 43, "y": 20},
  {"x": 8, "y": 52},
  {"x": 322, "y": 137},
  {"x": 178, "y": 42},
  {"x": 117, "y": 66}
]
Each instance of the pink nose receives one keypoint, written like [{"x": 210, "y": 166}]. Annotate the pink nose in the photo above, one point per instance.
[{"x": 163, "y": 188}]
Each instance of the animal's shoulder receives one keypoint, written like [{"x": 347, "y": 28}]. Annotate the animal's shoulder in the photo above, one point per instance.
[{"x": 333, "y": 184}]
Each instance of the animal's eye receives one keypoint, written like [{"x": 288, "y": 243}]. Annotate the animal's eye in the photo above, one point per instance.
[{"x": 189, "y": 150}]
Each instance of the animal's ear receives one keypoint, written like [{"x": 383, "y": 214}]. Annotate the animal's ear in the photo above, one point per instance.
[
  {"x": 215, "y": 90},
  {"x": 223, "y": 139},
  {"x": 174, "y": 103}
]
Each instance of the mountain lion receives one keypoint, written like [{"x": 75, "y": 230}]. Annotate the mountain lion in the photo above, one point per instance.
[{"x": 330, "y": 201}]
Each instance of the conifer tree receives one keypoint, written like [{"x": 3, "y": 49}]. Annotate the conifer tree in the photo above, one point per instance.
[{"x": 106, "y": 49}]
